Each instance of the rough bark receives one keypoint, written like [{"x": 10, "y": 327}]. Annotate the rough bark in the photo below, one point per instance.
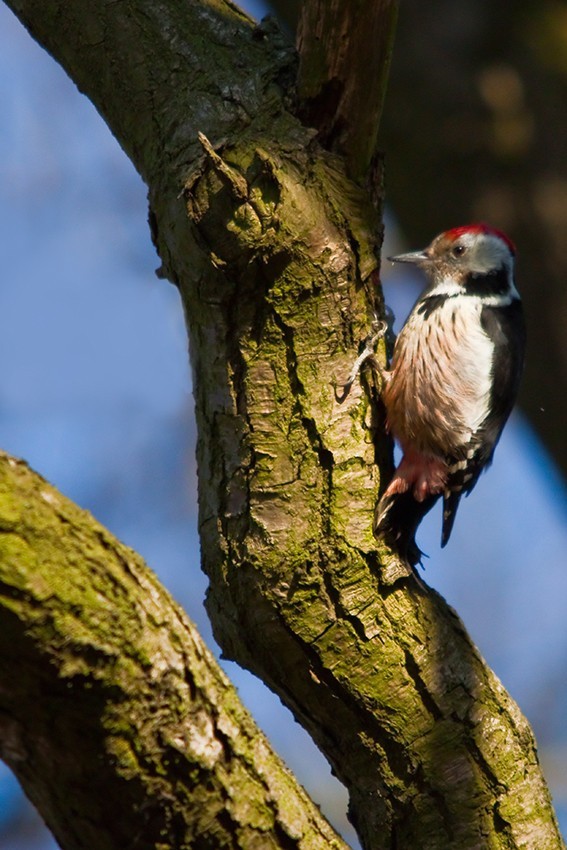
[
  {"x": 274, "y": 250},
  {"x": 342, "y": 46},
  {"x": 113, "y": 714}
]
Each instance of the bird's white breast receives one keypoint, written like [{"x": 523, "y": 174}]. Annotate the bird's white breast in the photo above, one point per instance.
[{"x": 439, "y": 393}]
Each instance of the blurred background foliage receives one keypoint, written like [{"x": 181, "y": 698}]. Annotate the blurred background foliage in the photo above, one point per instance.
[{"x": 95, "y": 385}]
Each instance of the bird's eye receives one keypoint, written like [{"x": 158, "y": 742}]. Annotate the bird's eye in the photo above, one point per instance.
[{"x": 458, "y": 250}]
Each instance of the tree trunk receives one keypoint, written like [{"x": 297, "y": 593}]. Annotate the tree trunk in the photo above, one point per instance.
[{"x": 275, "y": 251}]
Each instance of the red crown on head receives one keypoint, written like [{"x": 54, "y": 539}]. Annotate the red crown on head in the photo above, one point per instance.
[{"x": 455, "y": 232}]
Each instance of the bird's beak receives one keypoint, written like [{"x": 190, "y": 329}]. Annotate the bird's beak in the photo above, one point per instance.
[{"x": 415, "y": 257}]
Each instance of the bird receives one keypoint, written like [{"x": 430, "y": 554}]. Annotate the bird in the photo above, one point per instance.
[{"x": 453, "y": 378}]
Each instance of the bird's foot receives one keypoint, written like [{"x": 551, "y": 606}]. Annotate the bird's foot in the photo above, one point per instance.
[{"x": 379, "y": 329}]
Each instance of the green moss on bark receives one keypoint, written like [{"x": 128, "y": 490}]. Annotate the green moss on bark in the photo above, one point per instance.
[{"x": 114, "y": 715}]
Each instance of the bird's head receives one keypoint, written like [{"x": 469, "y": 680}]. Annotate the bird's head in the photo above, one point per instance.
[{"x": 462, "y": 258}]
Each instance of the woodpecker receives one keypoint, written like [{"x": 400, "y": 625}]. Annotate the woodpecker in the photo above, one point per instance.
[{"x": 453, "y": 378}]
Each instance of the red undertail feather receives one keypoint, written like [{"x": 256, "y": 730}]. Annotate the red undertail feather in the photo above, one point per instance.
[{"x": 416, "y": 485}]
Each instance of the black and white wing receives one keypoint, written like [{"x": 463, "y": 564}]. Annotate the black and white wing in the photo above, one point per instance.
[{"x": 504, "y": 325}]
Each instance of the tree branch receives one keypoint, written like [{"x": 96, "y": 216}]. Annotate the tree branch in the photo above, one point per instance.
[
  {"x": 345, "y": 51},
  {"x": 275, "y": 253},
  {"x": 113, "y": 714}
]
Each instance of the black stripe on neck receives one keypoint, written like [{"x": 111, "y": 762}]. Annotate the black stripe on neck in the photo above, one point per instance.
[
  {"x": 488, "y": 283},
  {"x": 430, "y": 304}
]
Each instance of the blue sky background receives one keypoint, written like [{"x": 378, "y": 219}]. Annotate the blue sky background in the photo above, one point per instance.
[{"x": 95, "y": 393}]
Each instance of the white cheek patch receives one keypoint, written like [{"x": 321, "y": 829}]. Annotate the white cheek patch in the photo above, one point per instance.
[{"x": 486, "y": 253}]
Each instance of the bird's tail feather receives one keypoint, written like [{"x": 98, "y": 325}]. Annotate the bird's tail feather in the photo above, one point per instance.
[
  {"x": 451, "y": 501},
  {"x": 396, "y": 520}
]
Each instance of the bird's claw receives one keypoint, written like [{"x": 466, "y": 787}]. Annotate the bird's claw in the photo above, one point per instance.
[{"x": 379, "y": 329}]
